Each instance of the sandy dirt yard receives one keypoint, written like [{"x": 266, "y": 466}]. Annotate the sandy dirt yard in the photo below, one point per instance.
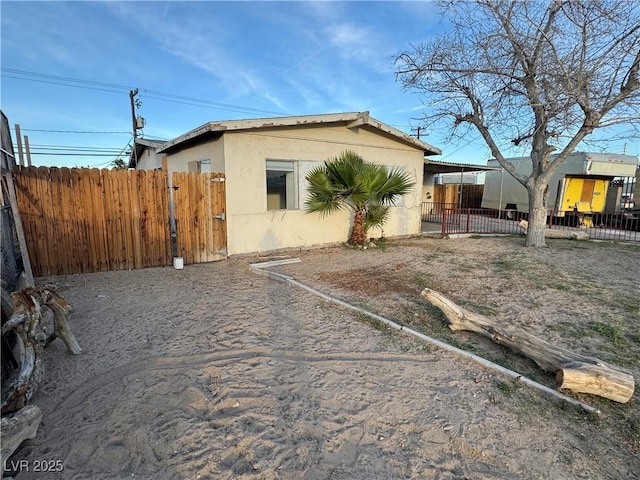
[{"x": 216, "y": 372}]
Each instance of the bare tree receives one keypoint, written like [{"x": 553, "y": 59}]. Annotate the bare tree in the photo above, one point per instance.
[{"x": 536, "y": 73}]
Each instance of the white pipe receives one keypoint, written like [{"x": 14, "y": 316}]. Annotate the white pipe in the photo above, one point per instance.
[{"x": 259, "y": 268}]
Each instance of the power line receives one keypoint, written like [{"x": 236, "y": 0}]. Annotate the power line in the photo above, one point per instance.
[
  {"x": 67, "y": 79},
  {"x": 74, "y": 131},
  {"x": 67, "y": 154},
  {"x": 59, "y": 83},
  {"x": 73, "y": 147},
  {"x": 103, "y": 164},
  {"x": 110, "y": 151},
  {"x": 115, "y": 88},
  {"x": 122, "y": 152}
]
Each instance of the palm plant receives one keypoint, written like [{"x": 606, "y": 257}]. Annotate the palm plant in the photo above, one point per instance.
[{"x": 347, "y": 181}]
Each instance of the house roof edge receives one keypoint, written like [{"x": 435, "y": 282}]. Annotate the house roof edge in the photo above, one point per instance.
[{"x": 352, "y": 119}]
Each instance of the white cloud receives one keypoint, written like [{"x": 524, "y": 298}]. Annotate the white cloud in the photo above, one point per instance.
[
  {"x": 207, "y": 43},
  {"x": 361, "y": 44}
]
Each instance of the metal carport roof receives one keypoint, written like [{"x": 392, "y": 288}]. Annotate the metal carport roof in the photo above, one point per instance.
[{"x": 435, "y": 166}]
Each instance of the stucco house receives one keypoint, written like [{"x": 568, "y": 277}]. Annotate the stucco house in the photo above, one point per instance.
[
  {"x": 144, "y": 155},
  {"x": 265, "y": 162}
]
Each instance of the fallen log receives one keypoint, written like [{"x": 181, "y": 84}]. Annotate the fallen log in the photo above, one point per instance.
[
  {"x": 552, "y": 233},
  {"x": 575, "y": 372},
  {"x": 18, "y": 427}
]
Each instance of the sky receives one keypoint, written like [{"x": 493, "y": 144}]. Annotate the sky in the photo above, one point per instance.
[{"x": 68, "y": 69}]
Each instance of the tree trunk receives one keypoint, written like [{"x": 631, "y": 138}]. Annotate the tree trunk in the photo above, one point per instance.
[
  {"x": 575, "y": 372},
  {"x": 18, "y": 427},
  {"x": 537, "y": 215},
  {"x": 358, "y": 235}
]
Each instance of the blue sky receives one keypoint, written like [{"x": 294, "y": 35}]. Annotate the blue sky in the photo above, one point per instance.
[{"x": 69, "y": 66}]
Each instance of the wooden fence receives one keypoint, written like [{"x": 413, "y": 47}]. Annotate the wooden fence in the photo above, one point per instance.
[
  {"x": 450, "y": 194},
  {"x": 89, "y": 220},
  {"x": 200, "y": 214}
]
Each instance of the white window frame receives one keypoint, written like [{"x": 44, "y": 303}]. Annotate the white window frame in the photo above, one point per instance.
[
  {"x": 200, "y": 166},
  {"x": 289, "y": 170}
]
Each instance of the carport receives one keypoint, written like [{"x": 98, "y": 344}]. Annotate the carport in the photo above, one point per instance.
[{"x": 433, "y": 169}]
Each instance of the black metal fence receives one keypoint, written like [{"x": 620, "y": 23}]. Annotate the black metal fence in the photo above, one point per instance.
[
  {"x": 621, "y": 226},
  {"x": 432, "y": 211}
]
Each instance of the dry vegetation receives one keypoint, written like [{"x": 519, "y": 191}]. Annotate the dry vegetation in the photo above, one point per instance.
[{"x": 584, "y": 296}]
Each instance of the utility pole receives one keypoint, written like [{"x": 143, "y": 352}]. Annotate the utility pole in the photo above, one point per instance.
[
  {"x": 417, "y": 130},
  {"x": 132, "y": 95},
  {"x": 19, "y": 141}
]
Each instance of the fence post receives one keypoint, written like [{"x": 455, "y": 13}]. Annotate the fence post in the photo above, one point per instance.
[
  {"x": 17, "y": 221},
  {"x": 443, "y": 223},
  {"x": 468, "y": 220}
]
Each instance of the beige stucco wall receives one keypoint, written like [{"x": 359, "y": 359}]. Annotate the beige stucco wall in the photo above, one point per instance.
[
  {"x": 253, "y": 228},
  {"x": 242, "y": 156},
  {"x": 428, "y": 187},
  {"x": 149, "y": 160},
  {"x": 212, "y": 150}
]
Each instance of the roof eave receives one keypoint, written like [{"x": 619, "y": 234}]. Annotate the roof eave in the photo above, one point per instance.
[{"x": 352, "y": 120}]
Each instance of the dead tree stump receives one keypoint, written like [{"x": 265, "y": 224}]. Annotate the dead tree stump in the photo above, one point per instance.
[
  {"x": 27, "y": 339},
  {"x": 18, "y": 427}
]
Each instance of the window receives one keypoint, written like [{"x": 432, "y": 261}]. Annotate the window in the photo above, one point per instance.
[
  {"x": 200, "y": 166},
  {"x": 399, "y": 200},
  {"x": 282, "y": 185}
]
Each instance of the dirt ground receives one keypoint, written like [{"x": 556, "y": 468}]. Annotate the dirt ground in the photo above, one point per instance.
[{"x": 216, "y": 372}]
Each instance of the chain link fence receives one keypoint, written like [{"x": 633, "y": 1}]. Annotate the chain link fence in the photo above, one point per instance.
[{"x": 12, "y": 264}]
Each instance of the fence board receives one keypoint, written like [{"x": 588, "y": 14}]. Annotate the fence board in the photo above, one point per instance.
[
  {"x": 87, "y": 220},
  {"x": 79, "y": 209},
  {"x": 92, "y": 233},
  {"x": 136, "y": 186},
  {"x": 202, "y": 214},
  {"x": 97, "y": 219},
  {"x": 128, "y": 219},
  {"x": 66, "y": 223},
  {"x": 192, "y": 219},
  {"x": 199, "y": 236},
  {"x": 219, "y": 210},
  {"x": 43, "y": 187},
  {"x": 23, "y": 187},
  {"x": 162, "y": 179},
  {"x": 110, "y": 215}
]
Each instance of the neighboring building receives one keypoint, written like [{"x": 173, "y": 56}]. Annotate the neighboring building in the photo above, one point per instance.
[
  {"x": 144, "y": 155},
  {"x": 444, "y": 181},
  {"x": 466, "y": 178},
  {"x": 580, "y": 183},
  {"x": 265, "y": 162}
]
